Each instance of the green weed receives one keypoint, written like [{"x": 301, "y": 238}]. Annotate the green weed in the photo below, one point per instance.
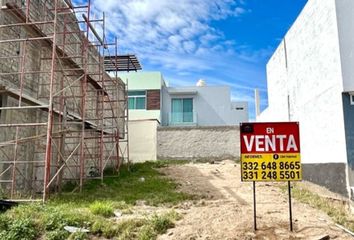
[
  {"x": 127, "y": 186},
  {"x": 78, "y": 236},
  {"x": 57, "y": 235},
  {"x": 162, "y": 223},
  {"x": 158, "y": 224},
  {"x": 102, "y": 208},
  {"x": 336, "y": 210},
  {"x": 23, "y": 229},
  {"x": 146, "y": 233},
  {"x": 97, "y": 202}
]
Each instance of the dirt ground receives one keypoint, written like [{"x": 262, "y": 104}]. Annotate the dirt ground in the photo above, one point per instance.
[{"x": 226, "y": 211}]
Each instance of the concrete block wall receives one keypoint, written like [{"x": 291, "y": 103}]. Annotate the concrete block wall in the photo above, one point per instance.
[
  {"x": 198, "y": 143},
  {"x": 121, "y": 106},
  {"x": 13, "y": 63},
  {"x": 38, "y": 58},
  {"x": 29, "y": 177},
  {"x": 25, "y": 150}
]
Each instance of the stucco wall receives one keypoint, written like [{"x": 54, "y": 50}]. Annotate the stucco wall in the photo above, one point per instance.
[
  {"x": 212, "y": 105},
  {"x": 142, "y": 140},
  {"x": 144, "y": 81},
  {"x": 305, "y": 83},
  {"x": 194, "y": 143},
  {"x": 140, "y": 114},
  {"x": 345, "y": 16}
]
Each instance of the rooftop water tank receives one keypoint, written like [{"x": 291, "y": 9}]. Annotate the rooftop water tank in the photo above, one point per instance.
[{"x": 201, "y": 83}]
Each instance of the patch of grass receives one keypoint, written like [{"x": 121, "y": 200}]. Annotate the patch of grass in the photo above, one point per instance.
[
  {"x": 336, "y": 210},
  {"x": 146, "y": 233},
  {"x": 23, "y": 229},
  {"x": 129, "y": 229},
  {"x": 60, "y": 215},
  {"x": 102, "y": 208},
  {"x": 127, "y": 186},
  {"x": 93, "y": 208},
  {"x": 78, "y": 236},
  {"x": 103, "y": 228},
  {"x": 4, "y": 222},
  {"x": 28, "y": 221},
  {"x": 57, "y": 235},
  {"x": 121, "y": 205},
  {"x": 158, "y": 224},
  {"x": 50, "y": 222},
  {"x": 147, "y": 228}
]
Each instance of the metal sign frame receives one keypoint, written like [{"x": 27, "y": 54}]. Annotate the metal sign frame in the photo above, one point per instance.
[{"x": 270, "y": 152}]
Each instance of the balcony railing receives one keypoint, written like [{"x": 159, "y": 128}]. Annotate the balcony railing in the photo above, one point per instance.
[{"x": 182, "y": 118}]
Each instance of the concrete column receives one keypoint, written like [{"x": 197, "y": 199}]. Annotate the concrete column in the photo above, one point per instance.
[{"x": 257, "y": 102}]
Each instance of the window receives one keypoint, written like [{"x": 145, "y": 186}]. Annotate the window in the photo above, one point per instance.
[
  {"x": 137, "y": 99},
  {"x": 182, "y": 110},
  {"x": 351, "y": 99}
]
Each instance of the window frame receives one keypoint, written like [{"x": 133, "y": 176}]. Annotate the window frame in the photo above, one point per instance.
[
  {"x": 137, "y": 96},
  {"x": 182, "y": 100}
]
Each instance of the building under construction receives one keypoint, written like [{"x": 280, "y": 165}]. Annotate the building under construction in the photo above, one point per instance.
[{"x": 62, "y": 116}]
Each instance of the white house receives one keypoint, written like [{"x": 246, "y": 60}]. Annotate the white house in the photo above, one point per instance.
[
  {"x": 152, "y": 103},
  {"x": 150, "y": 98},
  {"x": 311, "y": 80},
  {"x": 201, "y": 106}
]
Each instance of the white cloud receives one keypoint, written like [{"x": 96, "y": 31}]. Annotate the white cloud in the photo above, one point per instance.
[
  {"x": 238, "y": 11},
  {"x": 176, "y": 37},
  {"x": 154, "y": 29},
  {"x": 189, "y": 46}
]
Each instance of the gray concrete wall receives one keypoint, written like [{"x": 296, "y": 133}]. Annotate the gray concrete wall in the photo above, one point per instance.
[
  {"x": 349, "y": 136},
  {"x": 212, "y": 105},
  {"x": 198, "y": 143},
  {"x": 330, "y": 175}
]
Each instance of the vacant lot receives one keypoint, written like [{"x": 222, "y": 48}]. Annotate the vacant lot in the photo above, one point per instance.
[
  {"x": 178, "y": 201},
  {"x": 227, "y": 209}
]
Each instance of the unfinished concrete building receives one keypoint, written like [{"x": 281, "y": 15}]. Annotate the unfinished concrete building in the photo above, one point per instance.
[{"x": 62, "y": 116}]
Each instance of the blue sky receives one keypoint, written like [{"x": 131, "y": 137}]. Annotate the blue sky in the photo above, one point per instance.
[{"x": 225, "y": 42}]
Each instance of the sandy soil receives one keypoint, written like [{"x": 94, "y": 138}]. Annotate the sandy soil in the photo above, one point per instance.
[{"x": 226, "y": 211}]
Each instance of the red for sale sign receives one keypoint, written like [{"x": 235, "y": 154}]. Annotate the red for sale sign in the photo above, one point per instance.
[{"x": 270, "y": 151}]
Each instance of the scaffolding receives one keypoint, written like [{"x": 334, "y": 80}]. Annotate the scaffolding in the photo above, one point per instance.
[
  {"x": 125, "y": 63},
  {"x": 62, "y": 116}
]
